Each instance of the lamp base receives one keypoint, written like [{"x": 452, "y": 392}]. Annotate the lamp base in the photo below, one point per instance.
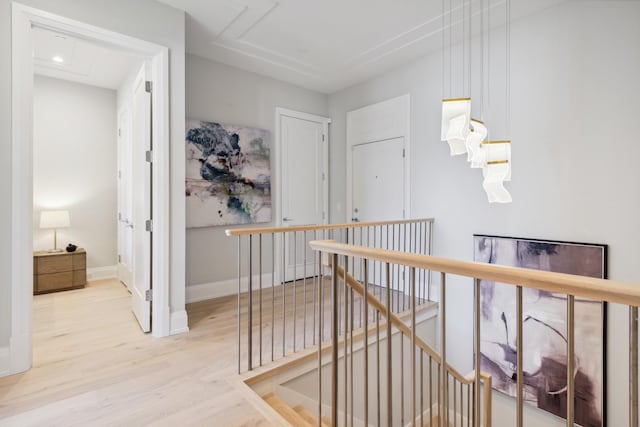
[{"x": 55, "y": 250}]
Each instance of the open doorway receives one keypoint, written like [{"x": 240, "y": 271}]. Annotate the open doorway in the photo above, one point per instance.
[
  {"x": 156, "y": 85},
  {"x": 91, "y": 127}
]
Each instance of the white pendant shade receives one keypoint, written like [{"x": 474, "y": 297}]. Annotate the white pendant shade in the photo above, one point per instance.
[
  {"x": 476, "y": 154},
  {"x": 497, "y": 170},
  {"x": 456, "y": 116}
]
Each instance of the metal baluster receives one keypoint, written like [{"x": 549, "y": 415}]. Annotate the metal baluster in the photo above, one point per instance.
[
  {"x": 468, "y": 405},
  {"x": 260, "y": 291},
  {"x": 519, "y": 370},
  {"x": 239, "y": 294},
  {"x": 412, "y": 279},
  {"x": 389, "y": 348},
  {"x": 401, "y": 378},
  {"x": 421, "y": 387},
  {"x": 351, "y": 351},
  {"x": 346, "y": 336},
  {"x": 453, "y": 381},
  {"x": 477, "y": 348},
  {"x": 461, "y": 405},
  {"x": 295, "y": 282},
  {"x": 443, "y": 346},
  {"x": 440, "y": 403},
  {"x": 366, "y": 346},
  {"x": 320, "y": 335},
  {"x": 430, "y": 389},
  {"x": 570, "y": 360},
  {"x": 284, "y": 305},
  {"x": 273, "y": 291},
  {"x": 334, "y": 340},
  {"x": 633, "y": 366},
  {"x": 315, "y": 283},
  {"x": 378, "y": 365},
  {"x": 250, "y": 310},
  {"x": 304, "y": 285},
  {"x": 404, "y": 273},
  {"x": 430, "y": 249},
  {"x": 321, "y": 302}
]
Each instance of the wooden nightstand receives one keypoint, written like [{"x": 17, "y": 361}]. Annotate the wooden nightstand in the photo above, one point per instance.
[{"x": 59, "y": 271}]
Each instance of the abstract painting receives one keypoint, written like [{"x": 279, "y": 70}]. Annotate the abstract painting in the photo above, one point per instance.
[
  {"x": 544, "y": 327},
  {"x": 228, "y": 176}
]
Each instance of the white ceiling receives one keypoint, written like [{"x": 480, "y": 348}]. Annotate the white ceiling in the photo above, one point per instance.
[
  {"x": 84, "y": 62},
  {"x": 323, "y": 45}
]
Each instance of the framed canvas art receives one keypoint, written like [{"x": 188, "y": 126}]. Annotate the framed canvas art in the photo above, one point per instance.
[
  {"x": 544, "y": 327},
  {"x": 228, "y": 175}
]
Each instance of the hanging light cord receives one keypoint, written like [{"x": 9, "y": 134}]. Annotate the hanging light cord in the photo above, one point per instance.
[
  {"x": 482, "y": 60},
  {"x": 508, "y": 69},
  {"x": 443, "y": 54}
]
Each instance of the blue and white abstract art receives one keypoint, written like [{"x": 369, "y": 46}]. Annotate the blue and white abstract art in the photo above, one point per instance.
[{"x": 228, "y": 176}]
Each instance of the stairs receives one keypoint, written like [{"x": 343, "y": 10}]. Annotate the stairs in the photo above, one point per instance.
[{"x": 298, "y": 416}]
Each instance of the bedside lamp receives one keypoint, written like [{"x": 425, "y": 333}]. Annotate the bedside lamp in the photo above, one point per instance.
[{"x": 55, "y": 220}]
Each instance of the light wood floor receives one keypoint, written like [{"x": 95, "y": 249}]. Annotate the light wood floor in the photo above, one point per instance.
[{"x": 93, "y": 367}]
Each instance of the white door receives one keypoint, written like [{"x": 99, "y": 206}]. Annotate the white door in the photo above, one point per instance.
[
  {"x": 141, "y": 192},
  {"x": 125, "y": 211},
  {"x": 378, "y": 181},
  {"x": 303, "y": 162},
  {"x": 378, "y": 178}
]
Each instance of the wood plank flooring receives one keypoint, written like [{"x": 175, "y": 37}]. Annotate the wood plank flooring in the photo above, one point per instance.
[{"x": 94, "y": 367}]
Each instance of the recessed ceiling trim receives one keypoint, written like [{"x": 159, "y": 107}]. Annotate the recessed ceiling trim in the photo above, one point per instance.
[
  {"x": 278, "y": 54},
  {"x": 231, "y": 22},
  {"x": 257, "y": 21},
  {"x": 270, "y": 61}
]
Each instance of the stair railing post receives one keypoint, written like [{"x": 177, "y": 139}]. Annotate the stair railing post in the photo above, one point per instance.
[
  {"x": 633, "y": 366},
  {"x": 334, "y": 340}
]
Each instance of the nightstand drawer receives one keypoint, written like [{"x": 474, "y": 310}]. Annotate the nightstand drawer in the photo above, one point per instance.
[
  {"x": 53, "y": 281},
  {"x": 53, "y": 264}
]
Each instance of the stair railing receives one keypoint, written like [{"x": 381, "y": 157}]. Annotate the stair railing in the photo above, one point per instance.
[
  {"x": 341, "y": 257},
  {"x": 282, "y": 297}
]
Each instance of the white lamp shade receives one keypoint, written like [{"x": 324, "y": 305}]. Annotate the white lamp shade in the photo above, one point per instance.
[
  {"x": 493, "y": 182},
  {"x": 477, "y": 155},
  {"x": 456, "y": 115},
  {"x": 54, "y": 219}
]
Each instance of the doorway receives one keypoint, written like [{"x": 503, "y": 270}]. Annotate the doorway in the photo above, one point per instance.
[
  {"x": 302, "y": 154},
  {"x": 24, "y": 20},
  {"x": 378, "y": 161}
]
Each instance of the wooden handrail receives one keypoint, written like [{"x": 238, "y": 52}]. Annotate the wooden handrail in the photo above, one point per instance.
[
  {"x": 270, "y": 230},
  {"x": 579, "y": 286},
  {"x": 400, "y": 325}
]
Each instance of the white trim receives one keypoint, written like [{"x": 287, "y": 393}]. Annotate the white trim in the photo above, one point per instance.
[
  {"x": 23, "y": 18},
  {"x": 100, "y": 273},
  {"x": 399, "y": 129},
  {"x": 179, "y": 322},
  {"x": 223, "y": 288},
  {"x": 5, "y": 361}
]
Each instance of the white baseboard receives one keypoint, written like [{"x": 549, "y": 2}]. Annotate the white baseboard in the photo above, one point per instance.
[
  {"x": 179, "y": 323},
  {"x": 5, "y": 361},
  {"x": 205, "y": 291},
  {"x": 99, "y": 273}
]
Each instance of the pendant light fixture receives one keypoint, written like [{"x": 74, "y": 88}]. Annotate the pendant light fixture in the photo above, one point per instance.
[
  {"x": 456, "y": 119},
  {"x": 497, "y": 170},
  {"x": 477, "y": 135}
]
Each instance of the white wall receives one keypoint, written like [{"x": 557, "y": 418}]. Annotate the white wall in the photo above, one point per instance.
[
  {"x": 144, "y": 19},
  {"x": 74, "y": 166},
  {"x": 224, "y": 94},
  {"x": 575, "y": 85}
]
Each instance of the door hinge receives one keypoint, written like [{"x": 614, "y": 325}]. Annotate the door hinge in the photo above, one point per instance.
[
  {"x": 119, "y": 216},
  {"x": 148, "y": 295},
  {"x": 119, "y": 258},
  {"x": 148, "y": 156},
  {"x": 402, "y": 213},
  {"x": 323, "y": 216},
  {"x": 323, "y": 178},
  {"x": 323, "y": 137},
  {"x": 119, "y": 174},
  {"x": 119, "y": 132},
  {"x": 148, "y": 225},
  {"x": 148, "y": 86},
  {"x": 403, "y": 153}
]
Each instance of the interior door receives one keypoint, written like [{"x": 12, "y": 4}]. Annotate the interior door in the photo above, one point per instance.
[
  {"x": 141, "y": 197},
  {"x": 378, "y": 195},
  {"x": 302, "y": 160},
  {"x": 125, "y": 211},
  {"x": 378, "y": 181}
]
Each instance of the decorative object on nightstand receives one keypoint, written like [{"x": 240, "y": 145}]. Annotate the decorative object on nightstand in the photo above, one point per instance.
[
  {"x": 55, "y": 220},
  {"x": 59, "y": 271},
  {"x": 71, "y": 247}
]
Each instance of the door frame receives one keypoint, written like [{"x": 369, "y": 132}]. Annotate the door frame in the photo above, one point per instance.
[
  {"x": 391, "y": 119},
  {"x": 23, "y": 19}
]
